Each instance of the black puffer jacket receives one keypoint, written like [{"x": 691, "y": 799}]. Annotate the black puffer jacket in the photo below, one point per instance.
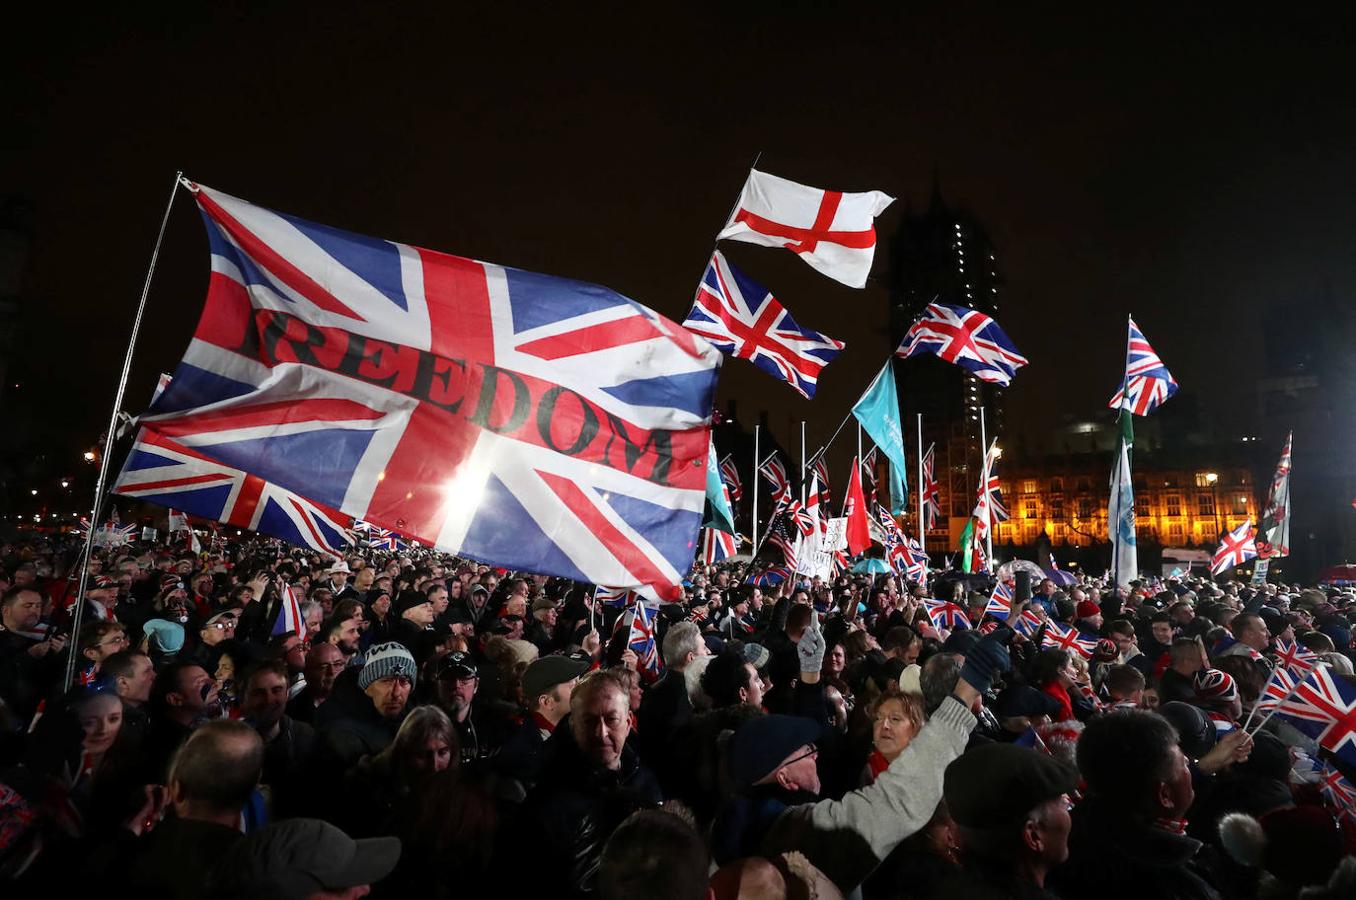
[
  {"x": 348, "y": 727},
  {"x": 571, "y": 813}
]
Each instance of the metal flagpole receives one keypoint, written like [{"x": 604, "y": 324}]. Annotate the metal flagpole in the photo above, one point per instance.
[
  {"x": 753, "y": 483},
  {"x": 72, "y": 656},
  {"x": 984, "y": 486},
  {"x": 922, "y": 522}
]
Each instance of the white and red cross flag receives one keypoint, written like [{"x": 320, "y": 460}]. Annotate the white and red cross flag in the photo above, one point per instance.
[
  {"x": 833, "y": 231},
  {"x": 522, "y": 420}
]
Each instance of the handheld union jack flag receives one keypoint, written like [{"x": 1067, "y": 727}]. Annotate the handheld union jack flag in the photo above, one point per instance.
[
  {"x": 1296, "y": 657},
  {"x": 385, "y": 539},
  {"x": 641, "y": 641},
  {"x": 289, "y": 615},
  {"x": 1337, "y": 791},
  {"x": 1237, "y": 548},
  {"x": 774, "y": 470},
  {"x": 769, "y": 577},
  {"x": 1324, "y": 708},
  {"x": 717, "y": 545},
  {"x": 932, "y": 503},
  {"x": 945, "y": 614},
  {"x": 966, "y": 338},
  {"x": 1148, "y": 383},
  {"x": 162, "y": 471},
  {"x": 1000, "y": 601},
  {"x": 524, "y": 421},
  {"x": 1028, "y": 624},
  {"x": 1279, "y": 686},
  {"x": 615, "y": 597},
  {"x": 746, "y": 321},
  {"x": 730, "y": 472},
  {"x": 1059, "y": 637}
]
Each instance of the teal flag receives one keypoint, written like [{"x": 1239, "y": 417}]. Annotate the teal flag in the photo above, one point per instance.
[
  {"x": 878, "y": 411},
  {"x": 718, "y": 513}
]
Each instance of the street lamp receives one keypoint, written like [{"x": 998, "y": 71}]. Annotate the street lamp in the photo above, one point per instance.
[
  {"x": 1212, "y": 479},
  {"x": 89, "y": 456}
]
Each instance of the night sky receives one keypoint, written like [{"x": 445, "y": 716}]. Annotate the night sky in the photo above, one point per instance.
[{"x": 1173, "y": 164}]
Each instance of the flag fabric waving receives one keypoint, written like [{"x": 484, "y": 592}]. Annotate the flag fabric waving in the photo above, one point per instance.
[
  {"x": 878, "y": 411},
  {"x": 718, "y": 514},
  {"x": 1028, "y": 623},
  {"x": 1273, "y": 537},
  {"x": 1237, "y": 548},
  {"x": 964, "y": 337},
  {"x": 932, "y": 503},
  {"x": 1000, "y": 601},
  {"x": 162, "y": 471},
  {"x": 513, "y": 418},
  {"x": 945, "y": 614},
  {"x": 746, "y": 321},
  {"x": 289, "y": 615},
  {"x": 1338, "y": 792},
  {"x": 833, "y": 231},
  {"x": 614, "y": 597},
  {"x": 641, "y": 641},
  {"x": 1296, "y": 657},
  {"x": 1278, "y": 688},
  {"x": 821, "y": 469},
  {"x": 730, "y": 473},
  {"x": 1324, "y": 708},
  {"x": 854, "y": 510},
  {"x": 717, "y": 545},
  {"x": 1068, "y": 638},
  {"x": 774, "y": 470},
  {"x": 1147, "y": 383}
]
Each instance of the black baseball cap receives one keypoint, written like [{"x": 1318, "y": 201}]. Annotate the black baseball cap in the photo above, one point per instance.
[
  {"x": 1000, "y": 784},
  {"x": 457, "y": 665},
  {"x": 296, "y": 858}
]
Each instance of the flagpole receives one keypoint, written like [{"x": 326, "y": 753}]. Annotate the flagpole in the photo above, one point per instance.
[
  {"x": 1115, "y": 542},
  {"x": 754, "y": 479},
  {"x": 72, "y": 655},
  {"x": 922, "y": 522},
  {"x": 803, "y": 467},
  {"x": 984, "y": 486}
]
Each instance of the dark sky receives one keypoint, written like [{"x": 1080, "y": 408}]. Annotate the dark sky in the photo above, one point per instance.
[{"x": 1163, "y": 161}]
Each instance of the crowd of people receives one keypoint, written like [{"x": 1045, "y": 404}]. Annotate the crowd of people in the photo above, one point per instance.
[{"x": 438, "y": 725}]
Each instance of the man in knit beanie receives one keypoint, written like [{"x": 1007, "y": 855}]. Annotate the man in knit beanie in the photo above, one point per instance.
[{"x": 363, "y": 713}]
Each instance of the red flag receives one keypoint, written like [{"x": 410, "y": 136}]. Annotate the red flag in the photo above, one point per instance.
[{"x": 854, "y": 510}]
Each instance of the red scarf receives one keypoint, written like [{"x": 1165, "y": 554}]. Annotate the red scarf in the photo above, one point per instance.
[{"x": 876, "y": 763}]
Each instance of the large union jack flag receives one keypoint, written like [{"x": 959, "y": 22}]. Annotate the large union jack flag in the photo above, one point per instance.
[
  {"x": 1238, "y": 547},
  {"x": 164, "y": 472},
  {"x": 966, "y": 338},
  {"x": 1147, "y": 381},
  {"x": 1324, "y": 707},
  {"x": 746, "y": 321},
  {"x": 513, "y": 418},
  {"x": 717, "y": 545}
]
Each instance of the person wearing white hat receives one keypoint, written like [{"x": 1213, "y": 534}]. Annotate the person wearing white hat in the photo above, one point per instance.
[{"x": 338, "y": 581}]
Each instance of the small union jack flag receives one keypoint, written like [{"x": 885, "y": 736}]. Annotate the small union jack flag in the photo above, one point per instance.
[
  {"x": 1000, "y": 602},
  {"x": 821, "y": 468},
  {"x": 945, "y": 614},
  {"x": 966, "y": 338},
  {"x": 289, "y": 615},
  {"x": 1338, "y": 791},
  {"x": 1324, "y": 707},
  {"x": 932, "y": 504},
  {"x": 1148, "y": 383},
  {"x": 1059, "y": 637},
  {"x": 1028, "y": 623},
  {"x": 769, "y": 577},
  {"x": 1296, "y": 657},
  {"x": 744, "y": 320},
  {"x": 642, "y": 642},
  {"x": 730, "y": 473},
  {"x": 1279, "y": 686},
  {"x": 619, "y": 598},
  {"x": 717, "y": 545},
  {"x": 774, "y": 470},
  {"x": 1237, "y": 548},
  {"x": 385, "y": 539}
]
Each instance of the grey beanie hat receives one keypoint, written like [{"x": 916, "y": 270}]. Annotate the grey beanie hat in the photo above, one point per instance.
[{"x": 390, "y": 658}]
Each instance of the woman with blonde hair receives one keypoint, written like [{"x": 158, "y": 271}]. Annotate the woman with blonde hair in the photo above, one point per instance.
[{"x": 896, "y": 718}]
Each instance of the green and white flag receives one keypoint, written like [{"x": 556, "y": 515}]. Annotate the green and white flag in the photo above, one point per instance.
[{"x": 1120, "y": 520}]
